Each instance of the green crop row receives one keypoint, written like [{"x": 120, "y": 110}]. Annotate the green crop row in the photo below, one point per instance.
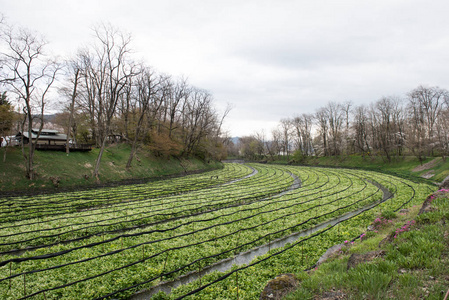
[
  {"x": 142, "y": 213},
  {"x": 26, "y": 207}
]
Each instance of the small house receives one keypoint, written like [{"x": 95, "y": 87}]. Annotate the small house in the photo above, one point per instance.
[
  {"x": 50, "y": 139},
  {"x": 47, "y": 137}
]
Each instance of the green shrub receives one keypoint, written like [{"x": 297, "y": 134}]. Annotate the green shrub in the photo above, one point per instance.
[
  {"x": 298, "y": 157},
  {"x": 428, "y": 218},
  {"x": 388, "y": 214}
]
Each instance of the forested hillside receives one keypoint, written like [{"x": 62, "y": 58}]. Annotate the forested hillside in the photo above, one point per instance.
[{"x": 103, "y": 95}]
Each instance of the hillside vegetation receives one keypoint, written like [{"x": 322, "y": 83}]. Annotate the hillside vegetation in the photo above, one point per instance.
[
  {"x": 405, "y": 256},
  {"x": 59, "y": 170},
  {"x": 434, "y": 169}
]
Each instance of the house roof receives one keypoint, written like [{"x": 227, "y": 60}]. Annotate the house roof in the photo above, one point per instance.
[
  {"x": 45, "y": 131},
  {"x": 55, "y": 137}
]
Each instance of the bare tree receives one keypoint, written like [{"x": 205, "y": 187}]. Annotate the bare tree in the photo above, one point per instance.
[
  {"x": 323, "y": 127},
  {"x": 87, "y": 99},
  {"x": 335, "y": 117},
  {"x": 285, "y": 126},
  {"x": 259, "y": 143},
  {"x": 398, "y": 117},
  {"x": 226, "y": 112},
  {"x": 275, "y": 146},
  {"x": 29, "y": 75},
  {"x": 425, "y": 105},
  {"x": 199, "y": 119},
  {"x": 147, "y": 89},
  {"x": 303, "y": 133},
  {"x": 384, "y": 108},
  {"x": 346, "y": 111},
  {"x": 74, "y": 72},
  {"x": 177, "y": 94},
  {"x": 361, "y": 131},
  {"x": 109, "y": 72},
  {"x": 127, "y": 101}
]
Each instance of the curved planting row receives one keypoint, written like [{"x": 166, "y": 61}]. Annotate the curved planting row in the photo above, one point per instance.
[
  {"x": 247, "y": 281},
  {"x": 22, "y": 208},
  {"x": 115, "y": 250},
  {"x": 143, "y": 213}
]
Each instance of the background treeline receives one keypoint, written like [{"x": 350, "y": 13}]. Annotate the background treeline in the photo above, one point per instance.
[
  {"x": 105, "y": 96},
  {"x": 391, "y": 127}
]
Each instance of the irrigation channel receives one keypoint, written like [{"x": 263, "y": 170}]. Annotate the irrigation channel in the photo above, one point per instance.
[{"x": 190, "y": 235}]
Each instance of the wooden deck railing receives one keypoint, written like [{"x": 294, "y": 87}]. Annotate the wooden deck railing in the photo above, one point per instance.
[{"x": 77, "y": 147}]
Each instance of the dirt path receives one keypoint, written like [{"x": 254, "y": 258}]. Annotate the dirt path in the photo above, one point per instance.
[{"x": 426, "y": 166}]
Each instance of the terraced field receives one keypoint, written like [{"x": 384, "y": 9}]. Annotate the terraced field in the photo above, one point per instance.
[{"x": 127, "y": 241}]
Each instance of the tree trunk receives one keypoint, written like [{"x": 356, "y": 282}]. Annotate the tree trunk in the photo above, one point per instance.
[
  {"x": 4, "y": 153},
  {"x": 29, "y": 158},
  {"x": 97, "y": 163},
  {"x": 135, "y": 143},
  {"x": 30, "y": 165},
  {"x": 131, "y": 154},
  {"x": 72, "y": 107}
]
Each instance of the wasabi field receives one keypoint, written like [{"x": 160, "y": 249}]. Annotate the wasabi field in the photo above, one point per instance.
[{"x": 132, "y": 241}]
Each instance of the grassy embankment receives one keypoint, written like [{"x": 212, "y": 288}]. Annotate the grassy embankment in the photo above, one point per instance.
[
  {"x": 415, "y": 259},
  {"x": 435, "y": 169},
  {"x": 76, "y": 169},
  {"x": 411, "y": 260}
]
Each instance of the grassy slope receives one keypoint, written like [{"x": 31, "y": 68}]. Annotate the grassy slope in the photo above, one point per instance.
[
  {"x": 72, "y": 169},
  {"x": 402, "y": 166},
  {"x": 415, "y": 264}
]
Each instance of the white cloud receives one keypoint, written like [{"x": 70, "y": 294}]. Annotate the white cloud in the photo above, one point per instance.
[{"x": 272, "y": 59}]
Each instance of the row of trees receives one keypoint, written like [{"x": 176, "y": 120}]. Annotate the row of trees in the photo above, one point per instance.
[
  {"x": 390, "y": 127},
  {"x": 106, "y": 93}
]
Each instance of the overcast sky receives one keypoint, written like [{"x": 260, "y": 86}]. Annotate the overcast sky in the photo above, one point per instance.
[{"x": 270, "y": 59}]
